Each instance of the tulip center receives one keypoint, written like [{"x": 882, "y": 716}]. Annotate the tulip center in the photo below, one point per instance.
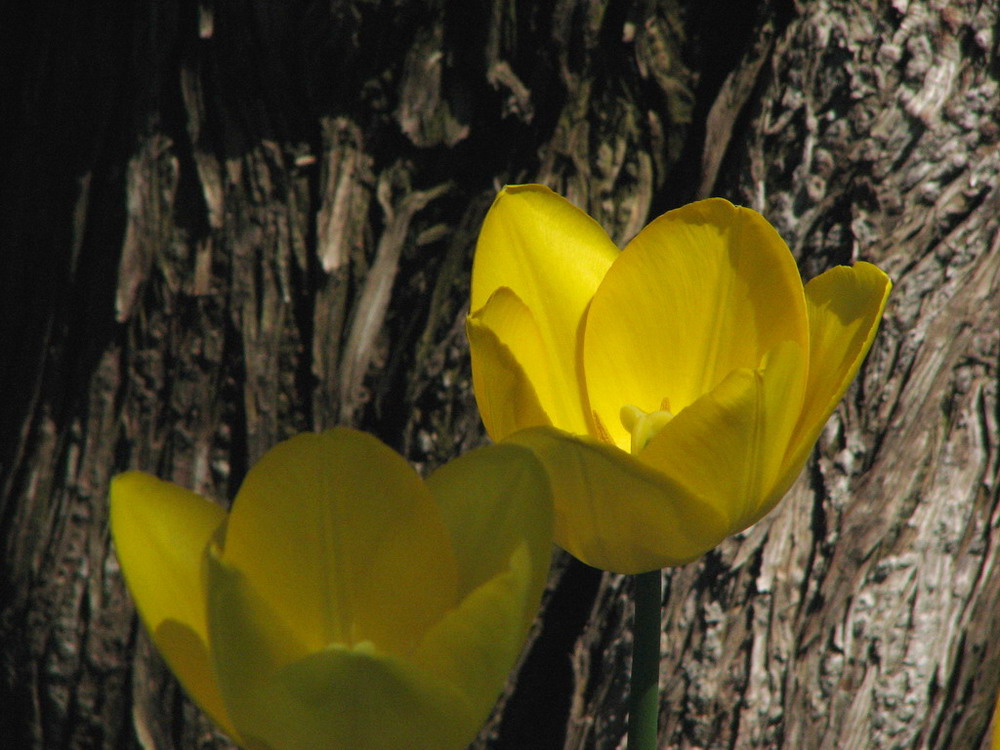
[{"x": 644, "y": 426}]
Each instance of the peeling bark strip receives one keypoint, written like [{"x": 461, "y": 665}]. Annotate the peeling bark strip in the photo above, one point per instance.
[
  {"x": 346, "y": 194},
  {"x": 370, "y": 311},
  {"x": 225, "y": 223}
]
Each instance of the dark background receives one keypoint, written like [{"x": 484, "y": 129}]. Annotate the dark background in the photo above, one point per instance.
[{"x": 225, "y": 222}]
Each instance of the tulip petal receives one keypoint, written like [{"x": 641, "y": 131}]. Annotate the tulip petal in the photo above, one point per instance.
[
  {"x": 502, "y": 336},
  {"x": 251, "y": 642},
  {"x": 728, "y": 447},
  {"x": 323, "y": 529},
  {"x": 487, "y": 630},
  {"x": 362, "y": 700},
  {"x": 701, "y": 291},
  {"x": 160, "y": 532},
  {"x": 356, "y": 697},
  {"x": 498, "y": 505},
  {"x": 845, "y": 307},
  {"x": 250, "y": 638},
  {"x": 616, "y": 513},
  {"x": 494, "y": 500},
  {"x": 553, "y": 257}
]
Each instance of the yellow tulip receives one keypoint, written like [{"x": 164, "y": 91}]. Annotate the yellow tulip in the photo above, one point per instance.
[
  {"x": 343, "y": 602},
  {"x": 995, "y": 744},
  {"x": 673, "y": 389}
]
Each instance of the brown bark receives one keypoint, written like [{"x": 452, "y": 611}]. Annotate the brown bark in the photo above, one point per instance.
[{"x": 231, "y": 221}]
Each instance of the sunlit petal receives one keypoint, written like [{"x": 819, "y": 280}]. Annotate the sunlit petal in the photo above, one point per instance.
[
  {"x": 701, "y": 291},
  {"x": 729, "y": 446},
  {"x": 700, "y": 362},
  {"x": 845, "y": 306},
  {"x": 509, "y": 366},
  {"x": 614, "y": 512},
  {"x": 323, "y": 527},
  {"x": 160, "y": 532},
  {"x": 553, "y": 257}
]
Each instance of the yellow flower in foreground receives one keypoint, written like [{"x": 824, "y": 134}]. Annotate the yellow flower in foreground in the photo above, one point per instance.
[
  {"x": 995, "y": 744},
  {"x": 689, "y": 375},
  {"x": 343, "y": 602}
]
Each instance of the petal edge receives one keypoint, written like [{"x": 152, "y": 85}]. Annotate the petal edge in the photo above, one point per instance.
[
  {"x": 161, "y": 531},
  {"x": 657, "y": 524},
  {"x": 552, "y": 256},
  {"x": 845, "y": 306}
]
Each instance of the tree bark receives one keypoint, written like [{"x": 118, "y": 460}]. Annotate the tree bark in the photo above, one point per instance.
[{"x": 229, "y": 221}]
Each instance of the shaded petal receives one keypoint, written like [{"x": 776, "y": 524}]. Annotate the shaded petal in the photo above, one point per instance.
[
  {"x": 475, "y": 646},
  {"x": 363, "y": 700},
  {"x": 509, "y": 365},
  {"x": 495, "y": 500},
  {"x": 338, "y": 697},
  {"x": 616, "y": 513},
  {"x": 845, "y": 306},
  {"x": 995, "y": 733},
  {"x": 552, "y": 256},
  {"x": 323, "y": 529},
  {"x": 497, "y": 503},
  {"x": 251, "y": 640},
  {"x": 729, "y": 446},
  {"x": 160, "y": 532},
  {"x": 701, "y": 291}
]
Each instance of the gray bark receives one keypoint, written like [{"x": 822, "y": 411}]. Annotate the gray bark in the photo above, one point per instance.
[{"x": 231, "y": 221}]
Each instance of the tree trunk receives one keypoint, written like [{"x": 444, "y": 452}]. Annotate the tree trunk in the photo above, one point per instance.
[
  {"x": 859, "y": 614},
  {"x": 229, "y": 221}
]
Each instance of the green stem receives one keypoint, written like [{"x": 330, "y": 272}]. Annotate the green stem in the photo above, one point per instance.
[{"x": 644, "y": 699}]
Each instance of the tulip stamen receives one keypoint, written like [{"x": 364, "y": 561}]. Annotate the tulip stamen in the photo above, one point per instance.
[{"x": 644, "y": 426}]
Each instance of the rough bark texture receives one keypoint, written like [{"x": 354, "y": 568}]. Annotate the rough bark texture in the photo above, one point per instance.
[{"x": 229, "y": 221}]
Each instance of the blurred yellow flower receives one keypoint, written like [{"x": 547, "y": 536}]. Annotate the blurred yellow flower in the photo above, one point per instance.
[
  {"x": 343, "y": 602},
  {"x": 674, "y": 389},
  {"x": 995, "y": 744}
]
